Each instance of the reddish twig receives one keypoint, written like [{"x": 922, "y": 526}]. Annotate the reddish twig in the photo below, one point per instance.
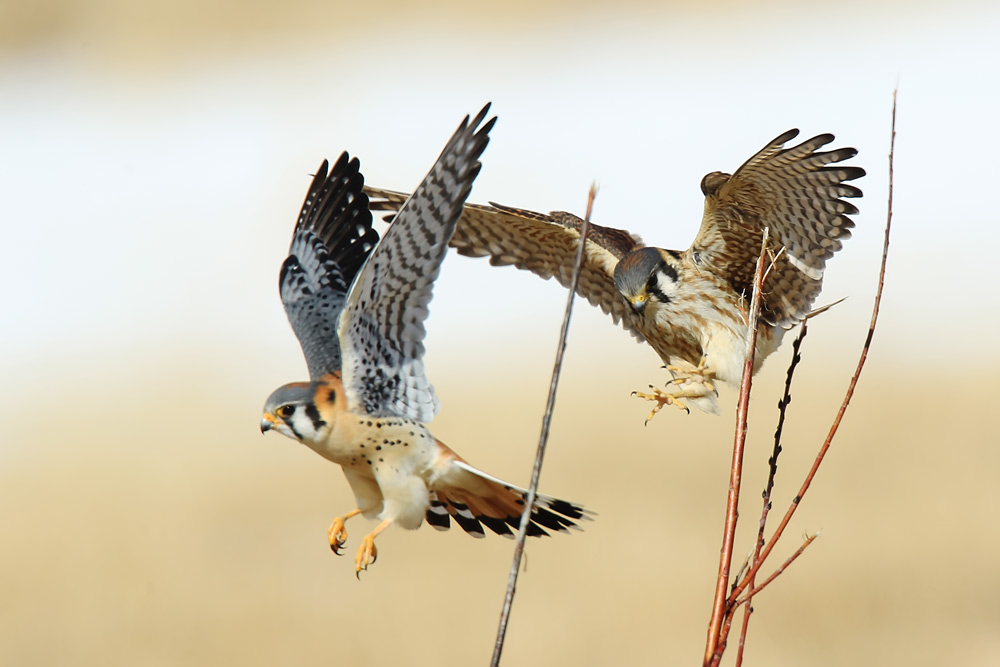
[
  {"x": 720, "y": 606},
  {"x": 850, "y": 389},
  {"x": 772, "y": 472},
  {"x": 542, "y": 440},
  {"x": 742, "y": 583},
  {"x": 735, "y": 604},
  {"x": 774, "y": 575}
]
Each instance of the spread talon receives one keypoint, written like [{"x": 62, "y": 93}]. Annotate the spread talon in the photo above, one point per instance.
[{"x": 692, "y": 384}]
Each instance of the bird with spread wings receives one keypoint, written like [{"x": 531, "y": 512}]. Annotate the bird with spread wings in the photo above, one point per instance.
[
  {"x": 357, "y": 306},
  {"x": 691, "y": 306}
]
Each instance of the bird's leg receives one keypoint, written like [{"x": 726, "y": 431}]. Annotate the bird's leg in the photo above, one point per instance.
[
  {"x": 695, "y": 383},
  {"x": 701, "y": 374},
  {"x": 337, "y": 534},
  {"x": 661, "y": 398},
  {"x": 367, "y": 553}
]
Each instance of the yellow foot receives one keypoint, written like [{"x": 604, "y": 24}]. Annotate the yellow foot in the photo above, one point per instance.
[
  {"x": 337, "y": 533},
  {"x": 700, "y": 375},
  {"x": 661, "y": 398},
  {"x": 694, "y": 383},
  {"x": 367, "y": 554}
]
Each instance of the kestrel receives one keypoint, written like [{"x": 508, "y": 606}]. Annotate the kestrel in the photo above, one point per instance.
[
  {"x": 357, "y": 307},
  {"x": 692, "y": 306}
]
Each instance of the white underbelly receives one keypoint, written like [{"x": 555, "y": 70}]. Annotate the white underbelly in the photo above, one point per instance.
[{"x": 727, "y": 350}]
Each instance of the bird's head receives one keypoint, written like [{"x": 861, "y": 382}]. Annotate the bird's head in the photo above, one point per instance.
[
  {"x": 644, "y": 276},
  {"x": 303, "y": 411}
]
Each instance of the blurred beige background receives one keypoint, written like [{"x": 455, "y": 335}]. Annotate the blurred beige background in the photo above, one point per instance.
[{"x": 153, "y": 157}]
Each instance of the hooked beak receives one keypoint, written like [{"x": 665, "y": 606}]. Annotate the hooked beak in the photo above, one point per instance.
[
  {"x": 266, "y": 423},
  {"x": 638, "y": 303}
]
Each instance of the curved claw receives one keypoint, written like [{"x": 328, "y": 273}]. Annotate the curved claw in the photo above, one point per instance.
[
  {"x": 661, "y": 398},
  {"x": 337, "y": 535},
  {"x": 367, "y": 554}
]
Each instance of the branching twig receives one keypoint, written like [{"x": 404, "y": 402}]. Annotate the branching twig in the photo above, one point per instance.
[
  {"x": 724, "y": 608},
  {"x": 720, "y": 607},
  {"x": 854, "y": 379},
  {"x": 536, "y": 472},
  {"x": 761, "y": 554},
  {"x": 735, "y": 604},
  {"x": 774, "y": 575},
  {"x": 772, "y": 472}
]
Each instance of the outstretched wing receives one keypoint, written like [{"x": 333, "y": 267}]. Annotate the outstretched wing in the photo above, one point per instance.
[
  {"x": 382, "y": 328},
  {"x": 546, "y": 245},
  {"x": 798, "y": 197},
  {"x": 332, "y": 239}
]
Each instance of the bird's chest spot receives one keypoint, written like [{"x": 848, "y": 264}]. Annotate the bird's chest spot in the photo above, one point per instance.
[{"x": 389, "y": 444}]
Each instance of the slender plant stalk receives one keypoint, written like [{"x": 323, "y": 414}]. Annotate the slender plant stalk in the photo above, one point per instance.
[
  {"x": 542, "y": 440},
  {"x": 854, "y": 379},
  {"x": 772, "y": 472},
  {"x": 774, "y": 575},
  {"x": 720, "y": 607},
  {"x": 748, "y": 579}
]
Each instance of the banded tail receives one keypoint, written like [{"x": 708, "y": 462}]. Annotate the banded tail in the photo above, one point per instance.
[{"x": 475, "y": 499}]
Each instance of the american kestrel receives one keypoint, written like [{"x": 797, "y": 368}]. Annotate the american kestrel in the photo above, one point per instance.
[
  {"x": 692, "y": 306},
  {"x": 357, "y": 307}
]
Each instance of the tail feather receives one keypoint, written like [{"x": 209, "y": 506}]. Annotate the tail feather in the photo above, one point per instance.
[{"x": 475, "y": 499}]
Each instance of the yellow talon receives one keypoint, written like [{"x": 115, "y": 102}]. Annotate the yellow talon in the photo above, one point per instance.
[
  {"x": 337, "y": 533},
  {"x": 367, "y": 553},
  {"x": 693, "y": 384},
  {"x": 661, "y": 398}
]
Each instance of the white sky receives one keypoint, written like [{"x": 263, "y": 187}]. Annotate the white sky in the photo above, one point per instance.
[{"x": 149, "y": 208}]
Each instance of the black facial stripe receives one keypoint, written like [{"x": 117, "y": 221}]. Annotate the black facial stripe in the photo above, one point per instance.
[
  {"x": 669, "y": 270},
  {"x": 655, "y": 290},
  {"x": 313, "y": 415},
  {"x": 653, "y": 287},
  {"x": 298, "y": 436}
]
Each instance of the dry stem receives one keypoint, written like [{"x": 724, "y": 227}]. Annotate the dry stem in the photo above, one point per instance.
[
  {"x": 774, "y": 575},
  {"x": 772, "y": 472},
  {"x": 721, "y": 624},
  {"x": 720, "y": 607},
  {"x": 854, "y": 379},
  {"x": 542, "y": 440}
]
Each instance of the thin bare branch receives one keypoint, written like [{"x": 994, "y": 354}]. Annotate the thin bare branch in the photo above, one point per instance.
[
  {"x": 772, "y": 472},
  {"x": 774, "y": 575},
  {"x": 747, "y": 612},
  {"x": 542, "y": 440},
  {"x": 854, "y": 379},
  {"x": 720, "y": 607},
  {"x": 735, "y": 604}
]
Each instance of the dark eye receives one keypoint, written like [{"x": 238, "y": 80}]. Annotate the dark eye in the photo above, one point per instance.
[{"x": 285, "y": 411}]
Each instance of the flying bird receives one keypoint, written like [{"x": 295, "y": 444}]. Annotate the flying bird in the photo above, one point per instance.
[
  {"x": 358, "y": 306},
  {"x": 691, "y": 306}
]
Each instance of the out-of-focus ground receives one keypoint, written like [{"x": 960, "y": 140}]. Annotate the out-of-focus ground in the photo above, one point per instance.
[
  {"x": 156, "y": 526},
  {"x": 152, "y": 159}
]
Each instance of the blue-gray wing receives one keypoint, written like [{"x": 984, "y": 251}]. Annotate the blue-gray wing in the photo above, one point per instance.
[
  {"x": 382, "y": 327},
  {"x": 332, "y": 240}
]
